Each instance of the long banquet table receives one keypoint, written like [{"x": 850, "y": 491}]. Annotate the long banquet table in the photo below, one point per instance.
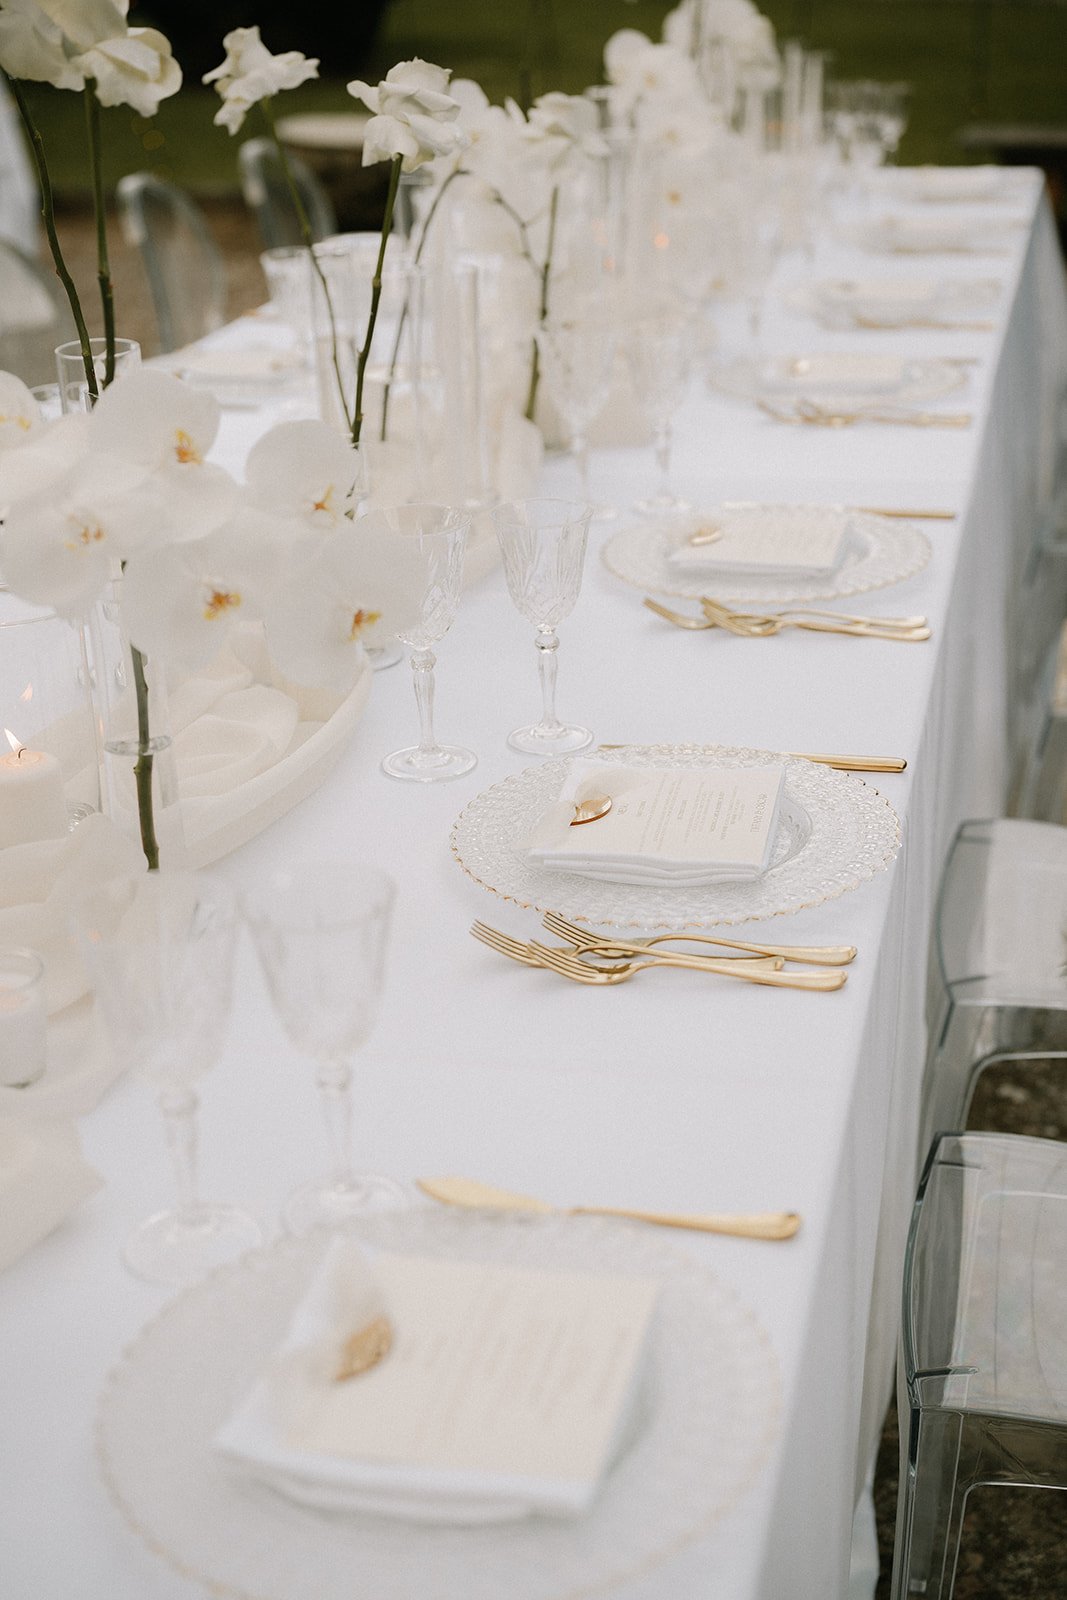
[{"x": 667, "y": 1093}]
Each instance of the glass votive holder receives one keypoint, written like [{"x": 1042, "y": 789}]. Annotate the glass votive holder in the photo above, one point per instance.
[
  {"x": 22, "y": 1018},
  {"x": 70, "y": 368}
]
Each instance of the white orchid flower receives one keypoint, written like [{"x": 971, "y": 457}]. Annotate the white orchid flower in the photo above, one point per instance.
[
  {"x": 20, "y": 415},
  {"x": 305, "y": 472},
  {"x": 136, "y": 70},
  {"x": 60, "y": 547},
  {"x": 358, "y": 591},
  {"x": 46, "y": 455},
  {"x": 250, "y": 73},
  {"x": 33, "y": 46},
  {"x": 639, "y": 69},
  {"x": 413, "y": 115},
  {"x": 568, "y": 122},
  {"x": 180, "y": 601}
]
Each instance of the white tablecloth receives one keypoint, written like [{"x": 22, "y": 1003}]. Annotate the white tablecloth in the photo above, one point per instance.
[{"x": 665, "y": 1093}]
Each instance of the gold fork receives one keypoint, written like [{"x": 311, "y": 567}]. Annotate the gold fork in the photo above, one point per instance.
[
  {"x": 521, "y": 951},
  {"x": 760, "y": 630},
  {"x": 573, "y": 966},
  {"x": 713, "y": 607},
  {"x": 827, "y": 955}
]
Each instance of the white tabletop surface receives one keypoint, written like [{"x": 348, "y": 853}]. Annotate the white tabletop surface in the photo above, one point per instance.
[{"x": 664, "y": 1093}]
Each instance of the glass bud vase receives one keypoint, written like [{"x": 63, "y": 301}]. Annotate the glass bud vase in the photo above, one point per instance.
[{"x": 138, "y": 772}]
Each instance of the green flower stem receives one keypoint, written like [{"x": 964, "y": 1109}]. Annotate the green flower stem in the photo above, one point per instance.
[
  {"x": 542, "y": 313},
  {"x": 103, "y": 265},
  {"x": 375, "y": 297},
  {"x": 142, "y": 768},
  {"x": 48, "y": 216},
  {"x": 305, "y": 233}
]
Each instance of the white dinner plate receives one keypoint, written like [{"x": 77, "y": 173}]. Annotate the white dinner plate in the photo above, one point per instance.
[
  {"x": 879, "y": 551},
  {"x": 834, "y": 833},
  {"x": 708, "y": 1414},
  {"x": 847, "y": 380},
  {"x": 895, "y": 302}
]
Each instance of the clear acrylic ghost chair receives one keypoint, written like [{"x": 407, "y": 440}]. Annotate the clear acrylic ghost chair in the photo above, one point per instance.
[
  {"x": 982, "y": 1377},
  {"x": 267, "y": 195},
  {"x": 997, "y": 984},
  {"x": 182, "y": 261},
  {"x": 34, "y": 317}
]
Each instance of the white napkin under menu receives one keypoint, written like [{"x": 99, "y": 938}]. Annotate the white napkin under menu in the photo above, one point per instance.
[
  {"x": 679, "y": 827},
  {"x": 771, "y": 542},
  {"x": 506, "y": 1391}
]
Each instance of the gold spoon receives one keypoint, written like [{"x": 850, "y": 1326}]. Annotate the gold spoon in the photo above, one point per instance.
[
  {"x": 754, "y": 1225},
  {"x": 590, "y": 809}
]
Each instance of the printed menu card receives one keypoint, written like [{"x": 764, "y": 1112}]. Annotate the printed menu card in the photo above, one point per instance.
[
  {"x": 677, "y": 825},
  {"x": 504, "y": 1385}
]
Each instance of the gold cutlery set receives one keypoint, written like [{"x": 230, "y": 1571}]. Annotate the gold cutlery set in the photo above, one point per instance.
[
  {"x": 601, "y": 961},
  {"x": 764, "y": 625},
  {"x": 812, "y": 413}
]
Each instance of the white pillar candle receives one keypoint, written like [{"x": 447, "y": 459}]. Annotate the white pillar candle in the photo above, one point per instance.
[
  {"x": 32, "y": 802},
  {"x": 22, "y": 1017}
]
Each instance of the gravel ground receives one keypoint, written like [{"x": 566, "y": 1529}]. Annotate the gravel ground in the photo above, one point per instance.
[{"x": 1015, "y": 1540}]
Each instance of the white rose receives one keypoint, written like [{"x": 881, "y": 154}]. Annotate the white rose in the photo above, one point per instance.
[
  {"x": 413, "y": 116},
  {"x": 138, "y": 70},
  {"x": 250, "y": 73}
]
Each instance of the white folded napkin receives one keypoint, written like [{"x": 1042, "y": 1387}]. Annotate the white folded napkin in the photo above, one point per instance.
[
  {"x": 678, "y": 827},
  {"x": 768, "y": 541},
  {"x": 42, "y": 1179},
  {"x": 505, "y": 1392}
]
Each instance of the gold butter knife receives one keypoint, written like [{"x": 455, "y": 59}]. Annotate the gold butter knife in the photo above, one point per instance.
[{"x": 480, "y": 1196}]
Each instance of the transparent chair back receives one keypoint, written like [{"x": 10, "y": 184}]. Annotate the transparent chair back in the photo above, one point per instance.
[
  {"x": 983, "y": 1368},
  {"x": 998, "y": 979},
  {"x": 34, "y": 317},
  {"x": 183, "y": 263},
  {"x": 269, "y": 198}
]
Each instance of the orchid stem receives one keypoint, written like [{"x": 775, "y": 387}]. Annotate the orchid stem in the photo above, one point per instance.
[
  {"x": 375, "y": 297},
  {"x": 542, "y": 314},
  {"x": 103, "y": 265},
  {"x": 142, "y": 769},
  {"x": 48, "y": 216}
]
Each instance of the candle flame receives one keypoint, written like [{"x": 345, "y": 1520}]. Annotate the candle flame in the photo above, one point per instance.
[
  {"x": 27, "y": 693},
  {"x": 15, "y": 743}
]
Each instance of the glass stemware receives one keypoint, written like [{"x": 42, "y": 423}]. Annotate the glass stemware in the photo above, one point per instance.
[
  {"x": 543, "y": 545},
  {"x": 321, "y": 933},
  {"x": 423, "y": 546},
  {"x": 658, "y": 352},
  {"x": 578, "y": 356},
  {"x": 159, "y": 951}
]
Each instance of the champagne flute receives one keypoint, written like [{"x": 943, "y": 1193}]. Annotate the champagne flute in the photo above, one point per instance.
[
  {"x": 321, "y": 930},
  {"x": 578, "y": 356},
  {"x": 658, "y": 348},
  {"x": 423, "y": 545},
  {"x": 159, "y": 949},
  {"x": 543, "y": 545}
]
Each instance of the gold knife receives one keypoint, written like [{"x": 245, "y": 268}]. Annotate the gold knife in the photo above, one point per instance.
[{"x": 839, "y": 763}]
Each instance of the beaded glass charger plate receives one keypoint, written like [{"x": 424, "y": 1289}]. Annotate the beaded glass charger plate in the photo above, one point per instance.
[
  {"x": 706, "y": 1415},
  {"x": 834, "y": 833},
  {"x": 876, "y": 551},
  {"x": 845, "y": 380}
]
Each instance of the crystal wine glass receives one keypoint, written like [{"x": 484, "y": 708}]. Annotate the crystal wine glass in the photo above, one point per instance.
[
  {"x": 658, "y": 349},
  {"x": 577, "y": 353},
  {"x": 321, "y": 931},
  {"x": 543, "y": 545},
  {"x": 159, "y": 952},
  {"x": 424, "y": 547}
]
